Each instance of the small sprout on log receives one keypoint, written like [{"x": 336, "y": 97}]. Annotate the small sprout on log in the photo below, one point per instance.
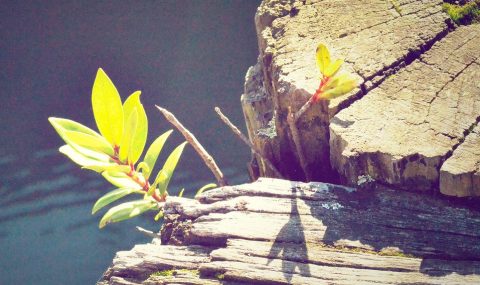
[
  {"x": 333, "y": 84},
  {"x": 204, "y": 188}
]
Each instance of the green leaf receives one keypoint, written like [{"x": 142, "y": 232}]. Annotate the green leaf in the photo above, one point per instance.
[
  {"x": 128, "y": 136},
  {"x": 112, "y": 167},
  {"x": 140, "y": 137},
  {"x": 206, "y": 187},
  {"x": 161, "y": 176},
  {"x": 121, "y": 180},
  {"x": 107, "y": 108},
  {"x": 153, "y": 152},
  {"x": 85, "y": 161},
  {"x": 95, "y": 143},
  {"x": 62, "y": 125},
  {"x": 333, "y": 68},
  {"x": 158, "y": 216},
  {"x": 143, "y": 168},
  {"x": 126, "y": 211},
  {"x": 169, "y": 167},
  {"x": 180, "y": 194},
  {"x": 323, "y": 58},
  {"x": 344, "y": 85},
  {"x": 111, "y": 197}
]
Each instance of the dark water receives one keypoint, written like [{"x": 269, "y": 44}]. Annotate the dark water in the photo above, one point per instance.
[{"x": 187, "y": 56}]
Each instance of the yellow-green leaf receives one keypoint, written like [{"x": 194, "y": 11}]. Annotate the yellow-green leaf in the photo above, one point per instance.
[
  {"x": 161, "y": 177},
  {"x": 140, "y": 137},
  {"x": 159, "y": 215},
  {"x": 165, "y": 174},
  {"x": 95, "y": 143},
  {"x": 344, "y": 86},
  {"x": 143, "y": 168},
  {"x": 126, "y": 211},
  {"x": 128, "y": 136},
  {"x": 333, "y": 68},
  {"x": 111, "y": 197},
  {"x": 85, "y": 161},
  {"x": 112, "y": 167},
  {"x": 180, "y": 194},
  {"x": 153, "y": 152},
  {"x": 323, "y": 58},
  {"x": 206, "y": 187},
  {"x": 62, "y": 125},
  {"x": 107, "y": 108},
  {"x": 121, "y": 180},
  {"x": 169, "y": 167}
]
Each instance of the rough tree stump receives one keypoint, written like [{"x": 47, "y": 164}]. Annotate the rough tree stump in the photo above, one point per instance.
[{"x": 417, "y": 103}]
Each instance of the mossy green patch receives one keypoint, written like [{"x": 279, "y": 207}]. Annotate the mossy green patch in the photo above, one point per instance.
[
  {"x": 464, "y": 14},
  {"x": 174, "y": 272},
  {"x": 220, "y": 276},
  {"x": 163, "y": 273}
]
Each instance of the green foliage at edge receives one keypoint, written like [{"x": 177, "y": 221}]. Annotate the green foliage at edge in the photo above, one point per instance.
[{"x": 463, "y": 15}]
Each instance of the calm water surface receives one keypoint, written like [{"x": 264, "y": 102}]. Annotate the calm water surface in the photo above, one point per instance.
[{"x": 187, "y": 56}]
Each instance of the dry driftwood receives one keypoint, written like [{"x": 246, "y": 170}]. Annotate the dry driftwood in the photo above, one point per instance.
[{"x": 281, "y": 232}]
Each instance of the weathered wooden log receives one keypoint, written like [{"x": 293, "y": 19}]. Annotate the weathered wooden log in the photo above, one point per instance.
[{"x": 281, "y": 232}]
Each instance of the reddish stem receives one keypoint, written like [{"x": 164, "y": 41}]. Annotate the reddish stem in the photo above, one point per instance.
[{"x": 133, "y": 174}]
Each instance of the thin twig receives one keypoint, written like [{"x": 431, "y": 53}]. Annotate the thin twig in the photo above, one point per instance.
[
  {"x": 148, "y": 233},
  {"x": 239, "y": 134},
  {"x": 292, "y": 124},
  {"x": 206, "y": 157},
  {"x": 302, "y": 110}
]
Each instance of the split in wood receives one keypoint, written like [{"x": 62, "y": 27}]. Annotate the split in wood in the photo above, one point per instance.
[
  {"x": 252, "y": 147},
  {"x": 204, "y": 155},
  {"x": 292, "y": 124}
]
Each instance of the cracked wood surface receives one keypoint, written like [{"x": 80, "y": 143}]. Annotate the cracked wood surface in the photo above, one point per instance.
[
  {"x": 401, "y": 132},
  {"x": 460, "y": 174},
  {"x": 282, "y": 232}
]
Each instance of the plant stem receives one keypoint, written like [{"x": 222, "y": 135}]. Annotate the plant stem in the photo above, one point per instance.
[
  {"x": 292, "y": 124},
  {"x": 204, "y": 155},
  {"x": 134, "y": 176},
  {"x": 292, "y": 119},
  {"x": 253, "y": 148}
]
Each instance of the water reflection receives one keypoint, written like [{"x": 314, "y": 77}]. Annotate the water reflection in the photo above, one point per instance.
[{"x": 187, "y": 56}]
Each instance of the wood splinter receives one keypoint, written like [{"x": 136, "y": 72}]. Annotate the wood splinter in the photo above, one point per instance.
[
  {"x": 192, "y": 140},
  {"x": 252, "y": 147}
]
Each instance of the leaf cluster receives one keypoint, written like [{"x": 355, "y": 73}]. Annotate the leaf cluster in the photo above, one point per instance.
[
  {"x": 115, "y": 151},
  {"x": 333, "y": 84}
]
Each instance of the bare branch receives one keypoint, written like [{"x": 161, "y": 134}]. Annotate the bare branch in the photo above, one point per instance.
[
  {"x": 206, "y": 157},
  {"x": 239, "y": 134}
]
